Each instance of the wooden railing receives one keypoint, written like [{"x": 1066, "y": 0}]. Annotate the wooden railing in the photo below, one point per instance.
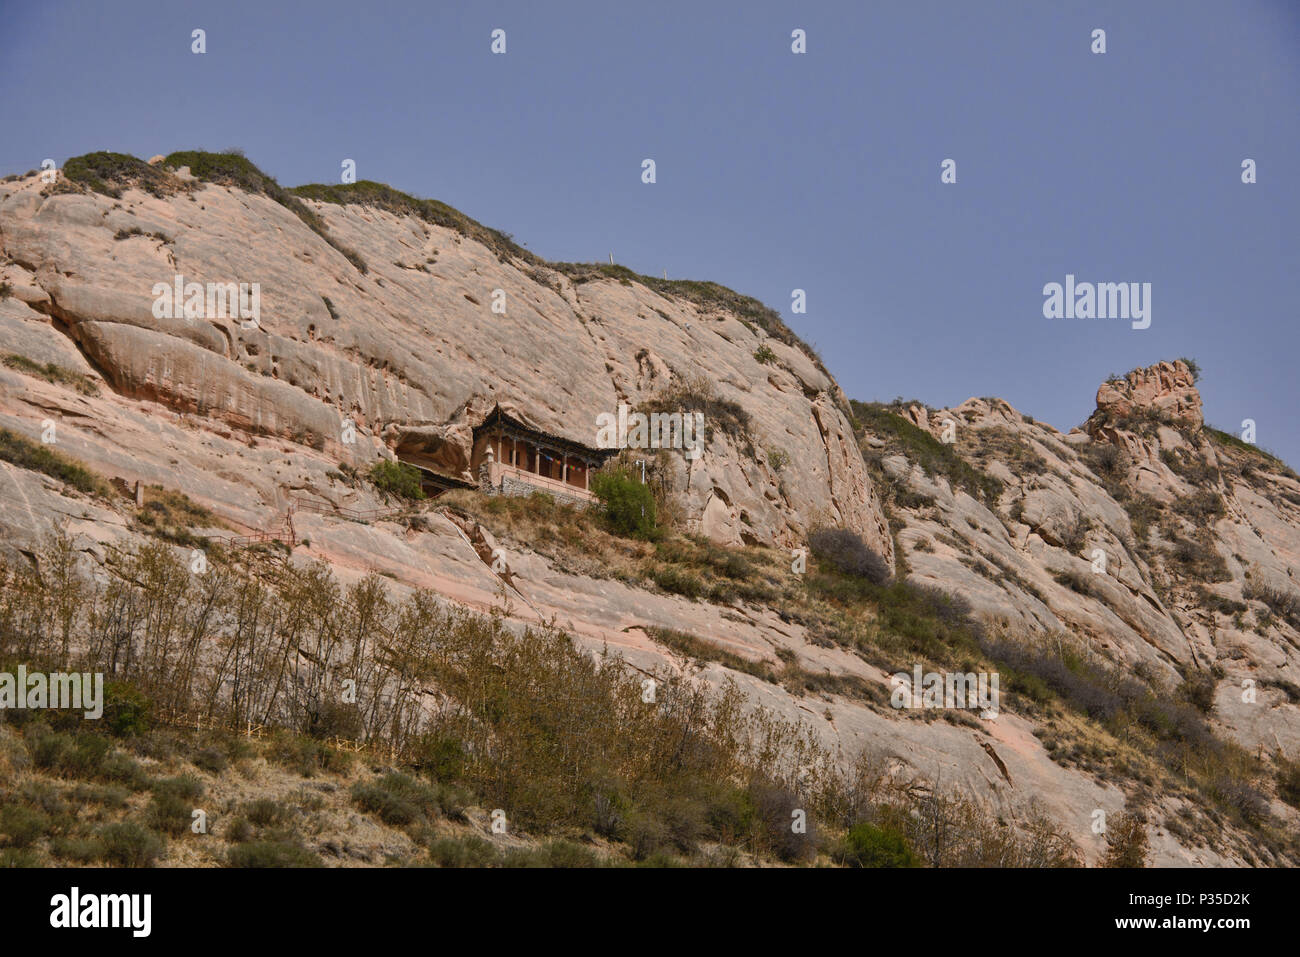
[
  {"x": 255, "y": 538},
  {"x": 354, "y": 514},
  {"x": 287, "y": 536}
]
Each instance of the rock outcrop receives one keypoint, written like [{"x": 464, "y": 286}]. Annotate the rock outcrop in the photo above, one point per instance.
[
  {"x": 1144, "y": 534},
  {"x": 1166, "y": 390}
]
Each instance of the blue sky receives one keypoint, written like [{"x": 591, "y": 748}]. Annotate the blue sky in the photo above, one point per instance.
[{"x": 777, "y": 171}]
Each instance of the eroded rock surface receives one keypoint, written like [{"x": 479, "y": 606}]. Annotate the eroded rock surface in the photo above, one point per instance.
[
  {"x": 247, "y": 420},
  {"x": 411, "y": 350}
]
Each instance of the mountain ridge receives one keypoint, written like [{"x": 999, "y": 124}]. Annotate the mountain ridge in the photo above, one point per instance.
[{"x": 989, "y": 521}]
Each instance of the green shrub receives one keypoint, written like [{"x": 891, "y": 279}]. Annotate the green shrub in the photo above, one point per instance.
[
  {"x": 561, "y": 854},
  {"x": 265, "y": 812},
  {"x": 306, "y": 756},
  {"x": 629, "y": 506},
  {"x": 272, "y": 854},
  {"x": 127, "y": 711},
  {"x": 78, "y": 850},
  {"x": 26, "y": 454},
  {"x": 1261, "y": 455},
  {"x": 693, "y": 647},
  {"x": 397, "y": 799},
  {"x": 1143, "y": 513},
  {"x": 1288, "y": 781},
  {"x": 869, "y": 846},
  {"x": 1284, "y": 604},
  {"x": 847, "y": 552},
  {"x": 184, "y": 786},
  {"x": 51, "y": 372},
  {"x": 169, "y": 813},
  {"x": 123, "y": 769},
  {"x": 85, "y": 757},
  {"x": 772, "y": 814},
  {"x": 934, "y": 457},
  {"x": 108, "y": 173},
  {"x": 212, "y": 760},
  {"x": 22, "y": 826},
  {"x": 1074, "y": 580},
  {"x": 1198, "y": 691},
  {"x": 107, "y": 796},
  {"x": 239, "y": 831},
  {"x": 398, "y": 478},
  {"x": 698, "y": 394},
  {"x": 679, "y": 581},
  {"x": 1198, "y": 558},
  {"x": 1201, "y": 507},
  {"x": 1109, "y": 461},
  {"x": 382, "y": 196},
  {"x": 127, "y": 844},
  {"x": 1241, "y": 798},
  {"x": 463, "y": 852},
  {"x": 172, "y": 808},
  {"x": 569, "y": 855},
  {"x": 764, "y": 354},
  {"x": 442, "y": 758},
  {"x": 1074, "y": 533},
  {"x": 68, "y": 755}
]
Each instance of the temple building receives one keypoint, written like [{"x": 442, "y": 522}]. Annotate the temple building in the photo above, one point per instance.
[
  {"x": 510, "y": 458},
  {"x": 506, "y": 457}
]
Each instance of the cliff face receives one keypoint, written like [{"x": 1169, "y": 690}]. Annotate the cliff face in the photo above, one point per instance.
[
  {"x": 1170, "y": 547},
  {"x": 1162, "y": 548},
  {"x": 420, "y": 346}
]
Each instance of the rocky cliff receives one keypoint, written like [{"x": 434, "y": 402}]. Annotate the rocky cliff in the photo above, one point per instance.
[
  {"x": 1170, "y": 546},
  {"x": 1141, "y": 544},
  {"x": 414, "y": 324}
]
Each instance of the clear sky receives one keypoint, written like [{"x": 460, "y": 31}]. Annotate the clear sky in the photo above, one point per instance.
[{"x": 777, "y": 171}]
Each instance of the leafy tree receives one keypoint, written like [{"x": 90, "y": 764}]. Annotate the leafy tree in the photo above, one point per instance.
[
  {"x": 399, "y": 478},
  {"x": 629, "y": 505}
]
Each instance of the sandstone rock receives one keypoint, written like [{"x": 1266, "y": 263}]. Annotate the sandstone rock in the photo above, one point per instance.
[
  {"x": 1168, "y": 388},
  {"x": 246, "y": 420},
  {"x": 412, "y": 353}
]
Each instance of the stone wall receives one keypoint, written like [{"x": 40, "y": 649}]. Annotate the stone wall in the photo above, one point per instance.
[{"x": 514, "y": 486}]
